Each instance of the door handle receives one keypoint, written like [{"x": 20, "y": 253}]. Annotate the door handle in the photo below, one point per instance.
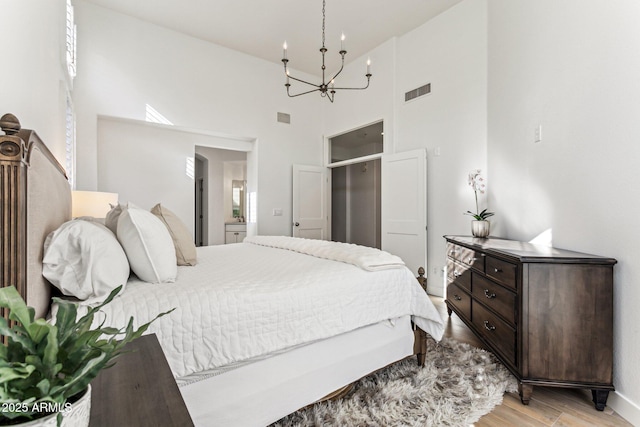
[{"x": 297, "y": 224}]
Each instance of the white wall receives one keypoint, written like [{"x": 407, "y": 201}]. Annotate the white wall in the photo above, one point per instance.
[
  {"x": 125, "y": 63},
  {"x": 34, "y": 73},
  {"x": 573, "y": 67},
  {"x": 355, "y": 109},
  {"x": 450, "y": 52},
  {"x": 146, "y": 165}
]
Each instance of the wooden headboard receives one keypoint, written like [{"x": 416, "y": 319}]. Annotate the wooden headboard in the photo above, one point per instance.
[{"x": 36, "y": 199}]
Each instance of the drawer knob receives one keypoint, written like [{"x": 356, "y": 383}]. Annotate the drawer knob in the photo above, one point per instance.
[
  {"x": 488, "y": 294},
  {"x": 457, "y": 297},
  {"x": 497, "y": 270},
  {"x": 488, "y": 326}
]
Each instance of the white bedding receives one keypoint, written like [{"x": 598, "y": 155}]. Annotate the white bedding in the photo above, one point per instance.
[
  {"x": 369, "y": 259},
  {"x": 244, "y": 300}
]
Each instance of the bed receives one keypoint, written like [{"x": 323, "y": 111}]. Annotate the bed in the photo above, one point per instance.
[{"x": 261, "y": 328}]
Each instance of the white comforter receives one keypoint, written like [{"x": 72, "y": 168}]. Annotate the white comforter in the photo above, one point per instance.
[{"x": 245, "y": 300}]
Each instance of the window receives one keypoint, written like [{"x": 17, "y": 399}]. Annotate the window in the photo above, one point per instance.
[
  {"x": 70, "y": 142},
  {"x": 71, "y": 42},
  {"x": 362, "y": 142}
]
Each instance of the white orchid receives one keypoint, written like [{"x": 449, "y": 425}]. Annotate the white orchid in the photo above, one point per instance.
[{"x": 477, "y": 182}]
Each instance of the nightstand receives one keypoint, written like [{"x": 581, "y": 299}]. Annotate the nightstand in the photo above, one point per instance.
[{"x": 139, "y": 390}]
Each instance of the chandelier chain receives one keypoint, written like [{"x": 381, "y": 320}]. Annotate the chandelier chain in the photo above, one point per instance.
[{"x": 323, "y": 18}]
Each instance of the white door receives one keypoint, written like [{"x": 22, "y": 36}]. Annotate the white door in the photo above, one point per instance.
[
  {"x": 310, "y": 213},
  {"x": 404, "y": 207}
]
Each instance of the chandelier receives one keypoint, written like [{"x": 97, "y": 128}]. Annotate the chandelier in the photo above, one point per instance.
[{"x": 327, "y": 88}]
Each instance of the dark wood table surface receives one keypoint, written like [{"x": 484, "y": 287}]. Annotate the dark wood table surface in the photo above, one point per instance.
[{"x": 139, "y": 390}]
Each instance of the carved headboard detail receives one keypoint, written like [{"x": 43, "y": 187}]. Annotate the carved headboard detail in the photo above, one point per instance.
[{"x": 35, "y": 199}]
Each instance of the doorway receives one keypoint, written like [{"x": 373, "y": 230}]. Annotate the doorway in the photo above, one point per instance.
[
  {"x": 221, "y": 168},
  {"x": 201, "y": 223},
  {"x": 356, "y": 203},
  {"x": 355, "y": 162},
  {"x": 379, "y": 198}
]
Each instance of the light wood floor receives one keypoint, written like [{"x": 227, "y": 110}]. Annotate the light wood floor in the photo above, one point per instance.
[{"x": 549, "y": 406}]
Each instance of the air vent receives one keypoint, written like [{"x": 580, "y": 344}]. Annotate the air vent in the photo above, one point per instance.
[
  {"x": 413, "y": 94},
  {"x": 284, "y": 118}
]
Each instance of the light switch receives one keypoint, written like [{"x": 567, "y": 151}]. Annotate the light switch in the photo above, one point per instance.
[
  {"x": 538, "y": 134},
  {"x": 277, "y": 212}
]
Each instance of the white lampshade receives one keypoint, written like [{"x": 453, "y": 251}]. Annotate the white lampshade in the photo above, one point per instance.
[{"x": 92, "y": 203}]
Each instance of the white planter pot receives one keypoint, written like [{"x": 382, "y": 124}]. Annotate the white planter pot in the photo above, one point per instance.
[
  {"x": 480, "y": 228},
  {"x": 77, "y": 416}
]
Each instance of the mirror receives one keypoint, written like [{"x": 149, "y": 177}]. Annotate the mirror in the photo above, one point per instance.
[{"x": 237, "y": 198}]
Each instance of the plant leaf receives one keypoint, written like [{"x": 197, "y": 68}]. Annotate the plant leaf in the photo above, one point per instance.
[
  {"x": 45, "y": 362},
  {"x": 84, "y": 376},
  {"x": 50, "y": 356},
  {"x": 9, "y": 373},
  {"x": 65, "y": 320},
  {"x": 22, "y": 340},
  {"x": 44, "y": 386},
  {"x": 38, "y": 330},
  {"x": 97, "y": 308},
  {"x": 18, "y": 310}
]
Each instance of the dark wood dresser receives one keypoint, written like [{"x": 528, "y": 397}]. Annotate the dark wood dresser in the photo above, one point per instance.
[{"x": 546, "y": 313}]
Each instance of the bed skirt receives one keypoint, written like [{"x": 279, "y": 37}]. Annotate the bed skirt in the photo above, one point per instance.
[{"x": 262, "y": 392}]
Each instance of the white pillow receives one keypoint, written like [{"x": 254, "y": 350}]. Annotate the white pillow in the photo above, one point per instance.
[
  {"x": 148, "y": 245},
  {"x": 84, "y": 259}
]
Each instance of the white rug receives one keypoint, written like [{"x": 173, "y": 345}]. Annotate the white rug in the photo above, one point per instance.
[{"x": 458, "y": 385}]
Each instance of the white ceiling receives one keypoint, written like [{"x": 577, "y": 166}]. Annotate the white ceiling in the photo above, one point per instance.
[{"x": 259, "y": 27}]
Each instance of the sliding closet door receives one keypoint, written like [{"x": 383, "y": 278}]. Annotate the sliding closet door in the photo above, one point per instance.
[{"x": 404, "y": 207}]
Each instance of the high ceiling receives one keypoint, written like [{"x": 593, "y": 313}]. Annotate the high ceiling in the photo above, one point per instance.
[{"x": 259, "y": 27}]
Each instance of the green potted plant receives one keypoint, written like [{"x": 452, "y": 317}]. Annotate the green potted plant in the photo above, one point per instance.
[
  {"x": 45, "y": 367},
  {"x": 480, "y": 227}
]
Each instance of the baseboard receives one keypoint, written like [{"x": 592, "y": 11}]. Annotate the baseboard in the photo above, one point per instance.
[{"x": 624, "y": 407}]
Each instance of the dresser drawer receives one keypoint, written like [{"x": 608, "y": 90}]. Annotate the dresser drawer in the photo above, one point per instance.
[
  {"x": 501, "y": 336},
  {"x": 452, "y": 250},
  {"x": 501, "y": 271},
  {"x": 466, "y": 256},
  {"x": 459, "y": 273},
  {"x": 459, "y": 299},
  {"x": 494, "y": 296}
]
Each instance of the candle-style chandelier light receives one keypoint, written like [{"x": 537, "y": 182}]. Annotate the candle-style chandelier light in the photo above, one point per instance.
[{"x": 327, "y": 88}]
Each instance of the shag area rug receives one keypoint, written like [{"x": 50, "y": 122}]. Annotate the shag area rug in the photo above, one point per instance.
[{"x": 458, "y": 384}]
